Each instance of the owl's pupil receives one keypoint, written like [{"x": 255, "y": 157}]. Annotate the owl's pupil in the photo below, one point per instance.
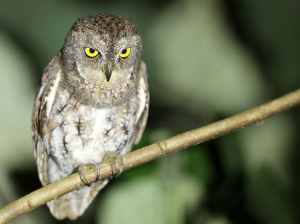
[
  {"x": 92, "y": 50},
  {"x": 124, "y": 51}
]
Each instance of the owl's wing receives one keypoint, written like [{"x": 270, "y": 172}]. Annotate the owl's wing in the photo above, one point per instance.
[
  {"x": 143, "y": 104},
  {"x": 42, "y": 107}
]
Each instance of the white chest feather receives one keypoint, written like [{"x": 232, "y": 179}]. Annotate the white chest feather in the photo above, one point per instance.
[{"x": 85, "y": 134}]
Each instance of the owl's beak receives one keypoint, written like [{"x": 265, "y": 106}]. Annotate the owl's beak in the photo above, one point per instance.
[{"x": 108, "y": 71}]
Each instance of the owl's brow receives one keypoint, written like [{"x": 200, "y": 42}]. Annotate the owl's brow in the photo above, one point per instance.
[
  {"x": 98, "y": 43},
  {"x": 121, "y": 44}
]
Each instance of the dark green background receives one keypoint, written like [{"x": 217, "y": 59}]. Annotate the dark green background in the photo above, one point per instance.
[{"x": 206, "y": 60}]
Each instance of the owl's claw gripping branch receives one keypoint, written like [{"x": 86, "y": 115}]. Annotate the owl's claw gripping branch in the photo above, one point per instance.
[
  {"x": 114, "y": 158},
  {"x": 83, "y": 167}
]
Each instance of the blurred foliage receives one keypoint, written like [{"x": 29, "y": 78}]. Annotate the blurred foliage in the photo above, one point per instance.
[{"x": 207, "y": 60}]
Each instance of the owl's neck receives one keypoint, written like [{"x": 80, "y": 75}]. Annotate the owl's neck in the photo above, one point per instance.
[{"x": 102, "y": 97}]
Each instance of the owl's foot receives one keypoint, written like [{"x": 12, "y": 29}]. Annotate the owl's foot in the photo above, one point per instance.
[
  {"x": 114, "y": 158},
  {"x": 83, "y": 167}
]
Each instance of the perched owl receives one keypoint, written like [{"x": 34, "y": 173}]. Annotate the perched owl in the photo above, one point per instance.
[{"x": 92, "y": 101}]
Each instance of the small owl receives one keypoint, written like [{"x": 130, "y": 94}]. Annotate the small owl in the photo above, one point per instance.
[{"x": 93, "y": 101}]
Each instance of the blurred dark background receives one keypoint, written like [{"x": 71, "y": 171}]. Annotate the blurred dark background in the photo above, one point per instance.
[{"x": 206, "y": 60}]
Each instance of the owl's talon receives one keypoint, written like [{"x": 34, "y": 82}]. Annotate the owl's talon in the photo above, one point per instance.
[
  {"x": 114, "y": 158},
  {"x": 81, "y": 170}
]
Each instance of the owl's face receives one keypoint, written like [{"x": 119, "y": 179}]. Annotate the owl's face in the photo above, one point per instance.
[{"x": 101, "y": 55}]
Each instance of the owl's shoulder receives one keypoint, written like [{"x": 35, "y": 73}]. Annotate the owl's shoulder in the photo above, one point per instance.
[
  {"x": 45, "y": 95},
  {"x": 143, "y": 102}
]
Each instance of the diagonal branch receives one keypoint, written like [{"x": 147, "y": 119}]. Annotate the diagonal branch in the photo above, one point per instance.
[{"x": 154, "y": 151}]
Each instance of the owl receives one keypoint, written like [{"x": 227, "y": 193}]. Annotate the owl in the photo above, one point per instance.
[{"x": 92, "y": 104}]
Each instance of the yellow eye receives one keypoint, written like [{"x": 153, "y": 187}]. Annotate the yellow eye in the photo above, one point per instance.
[
  {"x": 90, "y": 52},
  {"x": 125, "y": 53}
]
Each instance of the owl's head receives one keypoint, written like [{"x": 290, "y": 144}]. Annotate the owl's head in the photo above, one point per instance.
[{"x": 101, "y": 53}]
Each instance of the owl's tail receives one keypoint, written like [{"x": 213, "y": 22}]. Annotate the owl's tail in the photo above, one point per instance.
[{"x": 73, "y": 204}]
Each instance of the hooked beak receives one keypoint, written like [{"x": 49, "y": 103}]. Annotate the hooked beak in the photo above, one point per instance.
[{"x": 108, "y": 71}]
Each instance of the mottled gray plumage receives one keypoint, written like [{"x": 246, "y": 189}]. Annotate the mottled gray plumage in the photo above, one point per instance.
[{"x": 87, "y": 106}]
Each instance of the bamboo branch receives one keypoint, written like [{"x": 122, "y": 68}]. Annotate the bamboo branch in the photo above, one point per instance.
[{"x": 149, "y": 153}]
